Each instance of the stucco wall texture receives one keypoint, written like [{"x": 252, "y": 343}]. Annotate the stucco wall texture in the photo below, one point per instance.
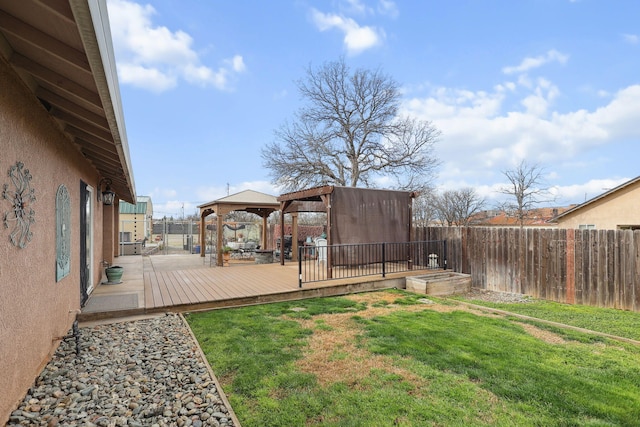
[
  {"x": 35, "y": 309},
  {"x": 618, "y": 209}
]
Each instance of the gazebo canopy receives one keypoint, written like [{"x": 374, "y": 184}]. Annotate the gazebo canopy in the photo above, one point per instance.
[{"x": 255, "y": 202}]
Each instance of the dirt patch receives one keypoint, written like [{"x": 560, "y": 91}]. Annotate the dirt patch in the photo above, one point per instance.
[
  {"x": 541, "y": 334},
  {"x": 333, "y": 354}
]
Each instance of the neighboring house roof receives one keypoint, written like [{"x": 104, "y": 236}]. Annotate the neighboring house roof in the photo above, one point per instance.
[
  {"x": 141, "y": 207},
  {"x": 598, "y": 198},
  {"x": 535, "y": 217},
  {"x": 63, "y": 51},
  {"x": 138, "y": 208}
]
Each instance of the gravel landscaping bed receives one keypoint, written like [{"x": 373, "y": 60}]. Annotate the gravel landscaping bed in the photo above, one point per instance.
[
  {"x": 494, "y": 296},
  {"x": 138, "y": 373}
]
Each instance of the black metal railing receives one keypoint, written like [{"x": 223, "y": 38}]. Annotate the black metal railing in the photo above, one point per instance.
[{"x": 318, "y": 263}]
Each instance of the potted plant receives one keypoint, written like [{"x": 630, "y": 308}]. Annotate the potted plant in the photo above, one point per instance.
[
  {"x": 226, "y": 255},
  {"x": 114, "y": 274}
]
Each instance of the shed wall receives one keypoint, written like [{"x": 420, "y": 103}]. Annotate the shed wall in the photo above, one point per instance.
[{"x": 370, "y": 216}]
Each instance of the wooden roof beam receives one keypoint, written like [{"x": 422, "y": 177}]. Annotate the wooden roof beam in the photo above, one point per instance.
[
  {"x": 51, "y": 77},
  {"x": 43, "y": 42}
]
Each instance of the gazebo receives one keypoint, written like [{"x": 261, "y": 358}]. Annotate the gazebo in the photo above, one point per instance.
[
  {"x": 354, "y": 215},
  {"x": 251, "y": 201}
]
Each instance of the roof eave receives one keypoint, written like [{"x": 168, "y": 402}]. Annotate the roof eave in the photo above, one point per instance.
[
  {"x": 598, "y": 197},
  {"x": 93, "y": 25}
]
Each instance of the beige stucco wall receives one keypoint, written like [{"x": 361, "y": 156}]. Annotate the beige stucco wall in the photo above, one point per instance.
[
  {"x": 621, "y": 208},
  {"x": 138, "y": 225},
  {"x": 34, "y": 308}
]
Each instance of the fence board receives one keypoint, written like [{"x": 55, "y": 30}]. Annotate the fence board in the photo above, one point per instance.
[
  {"x": 592, "y": 268},
  {"x": 611, "y": 278},
  {"x": 507, "y": 240},
  {"x": 536, "y": 255},
  {"x": 604, "y": 269},
  {"x": 636, "y": 274},
  {"x": 579, "y": 264},
  {"x": 627, "y": 253},
  {"x": 560, "y": 240}
]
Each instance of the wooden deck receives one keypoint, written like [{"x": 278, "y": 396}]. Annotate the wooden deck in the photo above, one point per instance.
[{"x": 173, "y": 285}]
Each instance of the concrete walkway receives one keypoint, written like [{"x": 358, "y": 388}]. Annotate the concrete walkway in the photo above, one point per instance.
[{"x": 130, "y": 294}]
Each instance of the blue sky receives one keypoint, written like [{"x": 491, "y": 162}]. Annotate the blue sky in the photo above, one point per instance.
[{"x": 204, "y": 84}]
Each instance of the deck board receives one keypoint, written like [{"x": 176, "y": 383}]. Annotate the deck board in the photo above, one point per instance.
[
  {"x": 148, "y": 290},
  {"x": 202, "y": 285},
  {"x": 180, "y": 287},
  {"x": 164, "y": 291},
  {"x": 169, "y": 284},
  {"x": 194, "y": 286}
]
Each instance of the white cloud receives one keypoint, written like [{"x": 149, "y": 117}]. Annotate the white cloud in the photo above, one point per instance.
[
  {"x": 356, "y": 6},
  {"x": 237, "y": 64},
  {"x": 590, "y": 189},
  {"x": 155, "y": 58},
  {"x": 631, "y": 38},
  {"x": 531, "y": 63},
  {"x": 483, "y": 134},
  {"x": 538, "y": 102},
  {"x": 388, "y": 8},
  {"x": 151, "y": 79},
  {"x": 356, "y": 38}
]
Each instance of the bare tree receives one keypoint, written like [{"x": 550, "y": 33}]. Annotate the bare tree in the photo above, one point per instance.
[
  {"x": 456, "y": 207},
  {"x": 423, "y": 208},
  {"x": 349, "y": 133},
  {"x": 527, "y": 189},
  {"x": 241, "y": 216},
  {"x": 469, "y": 204},
  {"x": 444, "y": 205}
]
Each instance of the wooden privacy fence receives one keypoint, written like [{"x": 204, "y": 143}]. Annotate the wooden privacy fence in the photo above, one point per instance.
[{"x": 591, "y": 267}]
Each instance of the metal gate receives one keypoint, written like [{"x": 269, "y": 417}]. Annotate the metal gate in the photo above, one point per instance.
[{"x": 174, "y": 237}]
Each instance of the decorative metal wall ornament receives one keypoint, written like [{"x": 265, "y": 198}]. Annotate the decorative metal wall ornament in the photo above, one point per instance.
[
  {"x": 63, "y": 233},
  {"x": 22, "y": 215}
]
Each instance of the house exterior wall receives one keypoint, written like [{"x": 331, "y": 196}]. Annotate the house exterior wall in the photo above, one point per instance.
[
  {"x": 615, "y": 210},
  {"x": 137, "y": 226},
  {"x": 35, "y": 310}
]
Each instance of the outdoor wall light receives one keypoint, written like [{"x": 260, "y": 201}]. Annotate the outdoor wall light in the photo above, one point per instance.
[{"x": 108, "y": 196}]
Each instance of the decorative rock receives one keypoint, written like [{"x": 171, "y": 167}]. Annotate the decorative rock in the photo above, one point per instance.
[{"x": 143, "y": 373}]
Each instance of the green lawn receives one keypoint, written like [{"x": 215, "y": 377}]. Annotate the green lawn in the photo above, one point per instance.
[
  {"x": 607, "y": 320},
  {"x": 385, "y": 359}
]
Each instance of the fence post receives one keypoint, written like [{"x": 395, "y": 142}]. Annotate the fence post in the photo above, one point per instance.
[
  {"x": 384, "y": 260},
  {"x": 445, "y": 254},
  {"x": 299, "y": 265}
]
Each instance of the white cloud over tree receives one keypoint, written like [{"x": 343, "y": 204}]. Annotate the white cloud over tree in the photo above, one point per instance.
[{"x": 356, "y": 38}]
